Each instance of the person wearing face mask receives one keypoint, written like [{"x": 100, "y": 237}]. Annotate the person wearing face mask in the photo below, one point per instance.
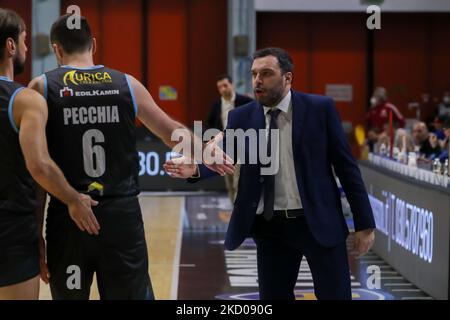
[
  {"x": 378, "y": 114},
  {"x": 426, "y": 142},
  {"x": 445, "y": 142},
  {"x": 444, "y": 107}
]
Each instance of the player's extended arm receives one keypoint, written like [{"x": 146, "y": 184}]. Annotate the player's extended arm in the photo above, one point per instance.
[
  {"x": 157, "y": 121},
  {"x": 30, "y": 115}
]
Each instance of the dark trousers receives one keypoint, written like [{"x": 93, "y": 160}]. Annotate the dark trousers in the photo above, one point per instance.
[
  {"x": 118, "y": 255},
  {"x": 281, "y": 245}
]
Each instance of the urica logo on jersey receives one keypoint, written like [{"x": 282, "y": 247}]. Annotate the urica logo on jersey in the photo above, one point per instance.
[
  {"x": 75, "y": 77},
  {"x": 66, "y": 92}
]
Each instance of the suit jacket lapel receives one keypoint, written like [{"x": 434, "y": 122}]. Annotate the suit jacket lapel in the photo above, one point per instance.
[
  {"x": 259, "y": 118},
  {"x": 258, "y": 122},
  {"x": 298, "y": 119}
]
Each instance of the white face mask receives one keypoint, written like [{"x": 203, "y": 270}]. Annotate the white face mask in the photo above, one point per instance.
[
  {"x": 373, "y": 101},
  {"x": 446, "y": 100}
]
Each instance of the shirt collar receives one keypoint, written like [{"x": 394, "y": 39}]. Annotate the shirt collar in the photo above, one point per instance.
[
  {"x": 85, "y": 68},
  {"x": 5, "y": 78},
  {"x": 283, "y": 105},
  {"x": 233, "y": 99}
]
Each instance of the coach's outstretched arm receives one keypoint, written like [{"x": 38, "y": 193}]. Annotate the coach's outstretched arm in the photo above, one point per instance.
[{"x": 30, "y": 116}]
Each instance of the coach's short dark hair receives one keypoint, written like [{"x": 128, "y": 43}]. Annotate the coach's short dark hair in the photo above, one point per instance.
[
  {"x": 284, "y": 59},
  {"x": 11, "y": 26},
  {"x": 225, "y": 76},
  {"x": 71, "y": 40}
]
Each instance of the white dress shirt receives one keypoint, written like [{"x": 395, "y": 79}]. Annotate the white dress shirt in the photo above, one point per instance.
[
  {"x": 287, "y": 196},
  {"x": 227, "y": 106}
]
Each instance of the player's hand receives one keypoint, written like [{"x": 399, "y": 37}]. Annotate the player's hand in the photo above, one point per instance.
[
  {"x": 181, "y": 167},
  {"x": 216, "y": 159},
  {"x": 364, "y": 240},
  {"x": 45, "y": 274},
  {"x": 81, "y": 213}
]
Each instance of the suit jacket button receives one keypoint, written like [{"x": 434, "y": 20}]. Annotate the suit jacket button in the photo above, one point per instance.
[{"x": 261, "y": 180}]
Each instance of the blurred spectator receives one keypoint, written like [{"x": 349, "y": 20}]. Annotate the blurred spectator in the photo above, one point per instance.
[
  {"x": 427, "y": 143},
  {"x": 403, "y": 141},
  {"x": 445, "y": 142},
  {"x": 437, "y": 126},
  {"x": 372, "y": 138},
  {"x": 218, "y": 116},
  {"x": 444, "y": 106},
  {"x": 218, "y": 119},
  {"x": 378, "y": 114}
]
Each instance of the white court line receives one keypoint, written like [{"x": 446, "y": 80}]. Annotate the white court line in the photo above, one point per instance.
[
  {"x": 311, "y": 284},
  {"x": 393, "y": 284},
  {"x": 177, "y": 255},
  {"x": 377, "y": 262},
  {"x": 309, "y": 274},
  {"x": 389, "y": 272},
  {"x": 406, "y": 290},
  {"x": 390, "y": 278},
  {"x": 417, "y": 298}
]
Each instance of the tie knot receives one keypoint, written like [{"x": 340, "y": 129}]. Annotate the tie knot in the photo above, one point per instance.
[{"x": 274, "y": 113}]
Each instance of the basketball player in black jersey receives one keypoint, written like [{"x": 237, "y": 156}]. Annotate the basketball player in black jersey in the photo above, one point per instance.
[
  {"x": 91, "y": 136},
  {"x": 23, "y": 116}
]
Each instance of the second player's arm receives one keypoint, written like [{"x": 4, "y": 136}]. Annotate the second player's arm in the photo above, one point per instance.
[
  {"x": 41, "y": 196},
  {"x": 30, "y": 115},
  {"x": 163, "y": 126}
]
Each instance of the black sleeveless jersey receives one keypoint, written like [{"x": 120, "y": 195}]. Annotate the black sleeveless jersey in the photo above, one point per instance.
[
  {"x": 91, "y": 129},
  {"x": 17, "y": 188}
]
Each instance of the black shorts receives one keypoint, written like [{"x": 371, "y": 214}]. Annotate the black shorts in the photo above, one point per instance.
[
  {"x": 19, "y": 248},
  {"x": 118, "y": 255}
]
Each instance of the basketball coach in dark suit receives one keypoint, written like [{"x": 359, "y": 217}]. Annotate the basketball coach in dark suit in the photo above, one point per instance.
[{"x": 296, "y": 212}]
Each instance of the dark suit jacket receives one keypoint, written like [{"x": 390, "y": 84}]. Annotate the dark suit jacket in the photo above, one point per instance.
[
  {"x": 215, "y": 115},
  {"x": 319, "y": 144}
]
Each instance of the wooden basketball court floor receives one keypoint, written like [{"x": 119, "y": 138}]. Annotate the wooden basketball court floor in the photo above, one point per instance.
[{"x": 187, "y": 260}]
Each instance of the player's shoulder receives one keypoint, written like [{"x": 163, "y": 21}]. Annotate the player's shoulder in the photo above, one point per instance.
[
  {"x": 28, "y": 95},
  {"x": 115, "y": 72}
]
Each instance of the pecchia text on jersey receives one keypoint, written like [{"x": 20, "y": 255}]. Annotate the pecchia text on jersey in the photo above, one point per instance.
[{"x": 91, "y": 115}]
